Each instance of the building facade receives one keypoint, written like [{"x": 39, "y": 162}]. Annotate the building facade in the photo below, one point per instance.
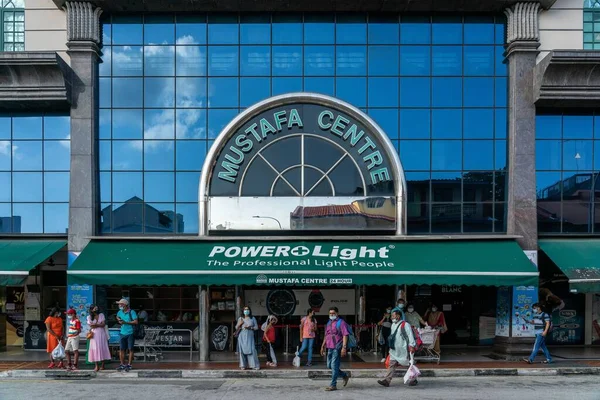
[{"x": 301, "y": 155}]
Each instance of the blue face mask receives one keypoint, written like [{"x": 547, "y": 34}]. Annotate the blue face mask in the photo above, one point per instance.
[
  {"x": 246, "y": 312},
  {"x": 121, "y": 308}
]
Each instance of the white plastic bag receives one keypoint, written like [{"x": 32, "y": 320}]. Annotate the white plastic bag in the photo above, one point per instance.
[
  {"x": 59, "y": 352},
  {"x": 296, "y": 362},
  {"x": 412, "y": 373}
]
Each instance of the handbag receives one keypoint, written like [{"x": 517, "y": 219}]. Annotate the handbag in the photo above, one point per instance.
[{"x": 90, "y": 334}]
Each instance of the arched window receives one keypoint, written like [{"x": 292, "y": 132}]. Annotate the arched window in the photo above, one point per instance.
[
  {"x": 591, "y": 24},
  {"x": 12, "y": 13}
]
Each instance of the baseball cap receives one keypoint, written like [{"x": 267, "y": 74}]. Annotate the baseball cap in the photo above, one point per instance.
[
  {"x": 123, "y": 301},
  {"x": 71, "y": 311}
]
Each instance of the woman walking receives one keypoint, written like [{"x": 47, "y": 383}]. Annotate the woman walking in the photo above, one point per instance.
[
  {"x": 98, "y": 351},
  {"x": 386, "y": 329},
  {"x": 246, "y": 345},
  {"x": 308, "y": 331},
  {"x": 55, "y": 332}
]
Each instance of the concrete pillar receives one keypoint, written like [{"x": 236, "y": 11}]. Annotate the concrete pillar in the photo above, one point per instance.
[
  {"x": 84, "y": 40},
  {"x": 204, "y": 321},
  {"x": 522, "y": 43}
]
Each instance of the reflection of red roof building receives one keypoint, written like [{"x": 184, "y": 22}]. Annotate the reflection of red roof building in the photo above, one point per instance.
[{"x": 341, "y": 216}]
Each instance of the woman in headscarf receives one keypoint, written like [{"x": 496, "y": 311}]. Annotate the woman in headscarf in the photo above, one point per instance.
[
  {"x": 435, "y": 318},
  {"x": 98, "y": 351},
  {"x": 246, "y": 345}
]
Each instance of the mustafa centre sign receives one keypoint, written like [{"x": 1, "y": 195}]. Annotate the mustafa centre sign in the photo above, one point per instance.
[{"x": 263, "y": 126}]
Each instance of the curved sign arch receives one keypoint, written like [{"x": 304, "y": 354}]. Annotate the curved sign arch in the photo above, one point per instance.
[{"x": 302, "y": 145}]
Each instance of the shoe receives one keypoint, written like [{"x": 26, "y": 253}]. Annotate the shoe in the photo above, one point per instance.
[
  {"x": 61, "y": 365},
  {"x": 414, "y": 383},
  {"x": 121, "y": 368},
  {"x": 527, "y": 360},
  {"x": 384, "y": 383},
  {"x": 308, "y": 365},
  {"x": 346, "y": 379},
  {"x": 128, "y": 368},
  {"x": 383, "y": 360},
  {"x": 330, "y": 388},
  {"x": 548, "y": 362},
  {"x": 74, "y": 368},
  {"x": 52, "y": 365}
]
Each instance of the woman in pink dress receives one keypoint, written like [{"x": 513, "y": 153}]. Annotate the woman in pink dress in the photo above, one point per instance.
[{"x": 98, "y": 351}]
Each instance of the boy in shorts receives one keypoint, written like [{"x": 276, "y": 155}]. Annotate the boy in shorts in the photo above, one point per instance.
[{"x": 73, "y": 331}]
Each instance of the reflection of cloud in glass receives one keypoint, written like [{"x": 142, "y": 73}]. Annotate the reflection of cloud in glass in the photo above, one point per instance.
[
  {"x": 4, "y": 150},
  {"x": 159, "y": 124},
  {"x": 191, "y": 124}
]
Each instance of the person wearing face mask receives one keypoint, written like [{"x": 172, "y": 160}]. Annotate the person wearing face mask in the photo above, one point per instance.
[
  {"x": 246, "y": 346},
  {"x": 402, "y": 343},
  {"x": 435, "y": 318},
  {"x": 336, "y": 343},
  {"x": 55, "y": 332},
  {"x": 541, "y": 325},
  {"x": 127, "y": 318},
  {"x": 385, "y": 330},
  {"x": 98, "y": 351},
  {"x": 401, "y": 305},
  {"x": 413, "y": 317}
]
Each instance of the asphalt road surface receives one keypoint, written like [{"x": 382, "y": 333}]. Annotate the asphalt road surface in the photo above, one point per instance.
[{"x": 485, "y": 388}]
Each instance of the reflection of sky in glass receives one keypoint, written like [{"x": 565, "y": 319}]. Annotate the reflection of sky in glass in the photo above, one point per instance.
[{"x": 423, "y": 80}]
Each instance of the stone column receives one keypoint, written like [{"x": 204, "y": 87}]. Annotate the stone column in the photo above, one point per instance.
[
  {"x": 522, "y": 43},
  {"x": 84, "y": 40},
  {"x": 204, "y": 322}
]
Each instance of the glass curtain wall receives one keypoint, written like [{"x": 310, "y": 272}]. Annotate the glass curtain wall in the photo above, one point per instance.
[
  {"x": 34, "y": 174},
  {"x": 568, "y": 167},
  {"x": 170, "y": 83}
]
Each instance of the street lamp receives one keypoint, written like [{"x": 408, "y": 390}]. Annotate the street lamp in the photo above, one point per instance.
[{"x": 274, "y": 219}]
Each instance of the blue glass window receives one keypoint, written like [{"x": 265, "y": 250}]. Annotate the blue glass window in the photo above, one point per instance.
[
  {"x": 479, "y": 92},
  {"x": 255, "y": 61},
  {"x": 223, "y": 60},
  {"x": 253, "y": 90},
  {"x": 415, "y": 124},
  {"x": 57, "y": 127},
  {"x": 127, "y": 92},
  {"x": 447, "y": 124},
  {"x": 351, "y": 60},
  {"x": 159, "y": 124},
  {"x": 127, "y": 155},
  {"x": 578, "y": 126},
  {"x": 287, "y": 60},
  {"x": 27, "y": 155},
  {"x": 447, "y": 92},
  {"x": 447, "y": 60},
  {"x": 478, "y": 154},
  {"x": 387, "y": 119},
  {"x": 127, "y": 30},
  {"x": 383, "y": 92},
  {"x": 27, "y": 186},
  {"x": 128, "y": 60},
  {"x": 478, "y": 123},
  {"x": 415, "y": 30},
  {"x": 577, "y": 155},
  {"x": 223, "y": 29},
  {"x": 56, "y": 187},
  {"x": 105, "y": 155},
  {"x": 187, "y": 186},
  {"x": 501, "y": 92},
  {"x": 352, "y": 90},
  {"x": 415, "y": 92},
  {"x": 287, "y": 85},
  {"x": 190, "y": 29},
  {"x": 217, "y": 119},
  {"x": 319, "y": 60},
  {"x": 287, "y": 29},
  {"x": 447, "y": 30},
  {"x": 319, "y": 29},
  {"x": 479, "y": 60},
  {"x": 127, "y": 124},
  {"x": 191, "y": 92},
  {"x": 27, "y": 127},
  {"x": 159, "y": 92},
  {"x": 127, "y": 186},
  {"x": 383, "y": 29},
  {"x": 223, "y": 92},
  {"x": 159, "y": 155},
  {"x": 159, "y": 60},
  {"x": 190, "y": 60},
  {"x": 446, "y": 155},
  {"x": 548, "y": 126},
  {"x": 415, "y": 155},
  {"x": 255, "y": 29},
  {"x": 320, "y": 85},
  {"x": 159, "y": 29},
  {"x": 548, "y": 155},
  {"x": 190, "y": 155},
  {"x": 415, "y": 60},
  {"x": 383, "y": 60},
  {"x": 159, "y": 186},
  {"x": 479, "y": 30},
  {"x": 57, "y": 155},
  {"x": 191, "y": 124},
  {"x": 500, "y": 155},
  {"x": 351, "y": 29}
]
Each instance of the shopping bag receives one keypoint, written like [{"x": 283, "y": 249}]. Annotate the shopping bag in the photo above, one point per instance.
[
  {"x": 296, "y": 361},
  {"x": 387, "y": 362},
  {"x": 412, "y": 373},
  {"x": 380, "y": 338},
  {"x": 59, "y": 352}
]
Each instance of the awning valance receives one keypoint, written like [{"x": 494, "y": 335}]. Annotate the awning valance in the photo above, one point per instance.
[
  {"x": 18, "y": 257},
  {"x": 460, "y": 262},
  {"x": 578, "y": 259}
]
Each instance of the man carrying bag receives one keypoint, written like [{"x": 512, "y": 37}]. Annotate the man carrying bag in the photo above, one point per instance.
[{"x": 402, "y": 344}]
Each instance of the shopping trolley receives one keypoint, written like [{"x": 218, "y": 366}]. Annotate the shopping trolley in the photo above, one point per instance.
[{"x": 429, "y": 337}]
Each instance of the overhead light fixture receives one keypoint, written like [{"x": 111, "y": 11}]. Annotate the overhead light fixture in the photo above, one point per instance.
[{"x": 50, "y": 262}]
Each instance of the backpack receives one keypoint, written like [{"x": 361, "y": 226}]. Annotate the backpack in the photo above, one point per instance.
[
  {"x": 418, "y": 341},
  {"x": 139, "y": 332},
  {"x": 351, "y": 344}
]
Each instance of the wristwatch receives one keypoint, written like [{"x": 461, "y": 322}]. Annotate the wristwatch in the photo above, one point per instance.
[
  {"x": 281, "y": 302},
  {"x": 316, "y": 300}
]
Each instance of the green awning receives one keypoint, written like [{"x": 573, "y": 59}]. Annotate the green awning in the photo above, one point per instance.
[
  {"x": 314, "y": 263},
  {"x": 578, "y": 259},
  {"x": 18, "y": 257}
]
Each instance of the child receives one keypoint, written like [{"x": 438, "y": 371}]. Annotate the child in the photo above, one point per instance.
[
  {"x": 269, "y": 338},
  {"x": 73, "y": 331}
]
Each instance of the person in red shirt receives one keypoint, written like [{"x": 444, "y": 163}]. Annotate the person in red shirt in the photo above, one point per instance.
[
  {"x": 73, "y": 331},
  {"x": 269, "y": 339}
]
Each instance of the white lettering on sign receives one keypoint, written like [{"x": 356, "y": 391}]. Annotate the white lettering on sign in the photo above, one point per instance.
[{"x": 301, "y": 251}]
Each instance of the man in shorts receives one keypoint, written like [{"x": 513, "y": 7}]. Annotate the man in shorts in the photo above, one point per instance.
[
  {"x": 73, "y": 331},
  {"x": 127, "y": 318}
]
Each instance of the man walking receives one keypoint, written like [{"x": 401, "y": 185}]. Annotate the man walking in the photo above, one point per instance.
[
  {"x": 336, "y": 342},
  {"x": 127, "y": 318},
  {"x": 73, "y": 331},
  {"x": 402, "y": 344},
  {"x": 541, "y": 325}
]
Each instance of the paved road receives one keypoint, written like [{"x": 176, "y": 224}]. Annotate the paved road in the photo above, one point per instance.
[{"x": 547, "y": 388}]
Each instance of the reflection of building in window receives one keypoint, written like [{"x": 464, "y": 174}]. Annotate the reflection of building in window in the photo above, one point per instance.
[
  {"x": 591, "y": 24},
  {"x": 135, "y": 216},
  {"x": 10, "y": 224},
  {"x": 13, "y": 25},
  {"x": 371, "y": 214},
  {"x": 570, "y": 202}
]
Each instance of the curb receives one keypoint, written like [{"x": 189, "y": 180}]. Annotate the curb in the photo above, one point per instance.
[{"x": 288, "y": 374}]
